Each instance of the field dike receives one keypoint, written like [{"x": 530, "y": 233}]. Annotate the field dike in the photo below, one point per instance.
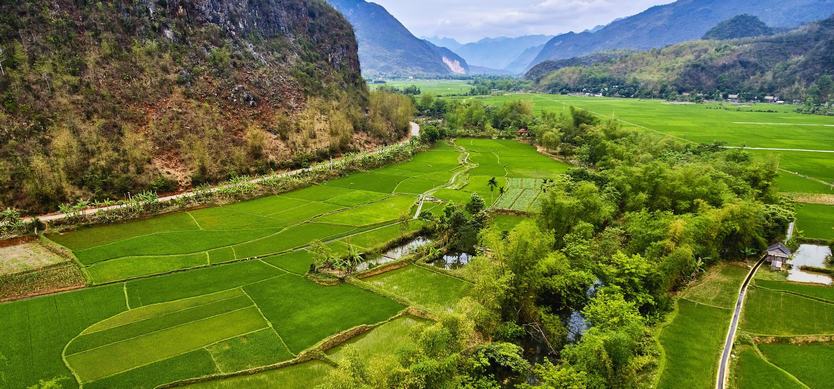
[
  {"x": 316, "y": 352},
  {"x": 793, "y": 339}
]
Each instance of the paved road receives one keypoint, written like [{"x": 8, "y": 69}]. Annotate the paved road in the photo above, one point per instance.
[
  {"x": 731, "y": 334},
  {"x": 414, "y": 132}
]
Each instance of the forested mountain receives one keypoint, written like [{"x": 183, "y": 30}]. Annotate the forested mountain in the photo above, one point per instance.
[
  {"x": 741, "y": 26},
  {"x": 499, "y": 53},
  {"x": 102, "y": 99},
  {"x": 387, "y": 48},
  {"x": 681, "y": 21},
  {"x": 792, "y": 65}
]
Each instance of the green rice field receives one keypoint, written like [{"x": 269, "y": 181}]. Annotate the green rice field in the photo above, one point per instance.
[
  {"x": 692, "y": 341},
  {"x": 816, "y": 221},
  {"x": 432, "y": 87},
  {"x": 809, "y": 363},
  {"x": 220, "y": 290},
  {"x": 793, "y": 323},
  {"x": 754, "y": 371}
]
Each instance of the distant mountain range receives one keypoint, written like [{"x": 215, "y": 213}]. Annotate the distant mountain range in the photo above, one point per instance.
[
  {"x": 788, "y": 65},
  {"x": 680, "y": 21},
  {"x": 388, "y": 49},
  {"x": 500, "y": 54}
]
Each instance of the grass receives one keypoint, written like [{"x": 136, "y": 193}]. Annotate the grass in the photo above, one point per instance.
[
  {"x": 769, "y": 312},
  {"x": 35, "y": 331},
  {"x": 297, "y": 262},
  {"x": 693, "y": 340},
  {"x": 422, "y": 286},
  {"x": 132, "y": 267},
  {"x": 305, "y": 375},
  {"x": 375, "y": 213},
  {"x": 305, "y": 313},
  {"x": 816, "y": 221},
  {"x": 719, "y": 287},
  {"x": 260, "y": 348},
  {"x": 387, "y": 339},
  {"x": 792, "y": 183},
  {"x": 96, "y": 363},
  {"x": 197, "y": 282},
  {"x": 816, "y": 291},
  {"x": 194, "y": 364},
  {"x": 145, "y": 324},
  {"x": 692, "y": 344},
  {"x": 751, "y": 371},
  {"x": 507, "y": 222},
  {"x": 810, "y": 363}
]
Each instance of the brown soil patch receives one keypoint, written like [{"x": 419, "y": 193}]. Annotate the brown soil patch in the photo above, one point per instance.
[{"x": 26, "y": 257}]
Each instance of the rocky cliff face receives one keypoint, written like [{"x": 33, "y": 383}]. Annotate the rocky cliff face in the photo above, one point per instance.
[{"x": 104, "y": 98}]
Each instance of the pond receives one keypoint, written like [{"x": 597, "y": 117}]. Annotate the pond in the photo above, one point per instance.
[
  {"x": 394, "y": 254},
  {"x": 810, "y": 255},
  {"x": 453, "y": 260}
]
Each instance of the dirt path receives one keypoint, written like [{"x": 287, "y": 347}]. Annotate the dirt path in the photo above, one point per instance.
[{"x": 414, "y": 132}]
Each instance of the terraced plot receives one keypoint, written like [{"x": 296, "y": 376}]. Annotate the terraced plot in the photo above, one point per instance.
[{"x": 263, "y": 227}]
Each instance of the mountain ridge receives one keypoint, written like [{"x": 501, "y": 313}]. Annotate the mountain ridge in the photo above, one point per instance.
[
  {"x": 680, "y": 21},
  {"x": 388, "y": 49},
  {"x": 786, "y": 65}
]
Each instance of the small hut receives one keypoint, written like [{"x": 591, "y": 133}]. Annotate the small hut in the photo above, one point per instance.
[
  {"x": 778, "y": 256},
  {"x": 522, "y": 133}
]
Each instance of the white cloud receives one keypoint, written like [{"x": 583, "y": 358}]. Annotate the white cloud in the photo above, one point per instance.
[{"x": 469, "y": 20}]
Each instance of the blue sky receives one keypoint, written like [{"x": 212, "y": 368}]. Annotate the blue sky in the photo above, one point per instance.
[{"x": 470, "y": 20}]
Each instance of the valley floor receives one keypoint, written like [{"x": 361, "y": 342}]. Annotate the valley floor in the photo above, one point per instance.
[{"x": 221, "y": 291}]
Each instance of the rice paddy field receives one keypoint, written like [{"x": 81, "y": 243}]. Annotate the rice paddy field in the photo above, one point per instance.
[
  {"x": 222, "y": 290},
  {"x": 803, "y": 145},
  {"x": 693, "y": 339},
  {"x": 432, "y": 87},
  {"x": 790, "y": 325}
]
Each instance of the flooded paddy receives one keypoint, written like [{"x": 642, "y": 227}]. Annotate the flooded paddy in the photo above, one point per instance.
[{"x": 810, "y": 255}]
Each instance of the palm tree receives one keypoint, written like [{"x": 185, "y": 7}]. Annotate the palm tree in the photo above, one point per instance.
[{"x": 492, "y": 184}]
